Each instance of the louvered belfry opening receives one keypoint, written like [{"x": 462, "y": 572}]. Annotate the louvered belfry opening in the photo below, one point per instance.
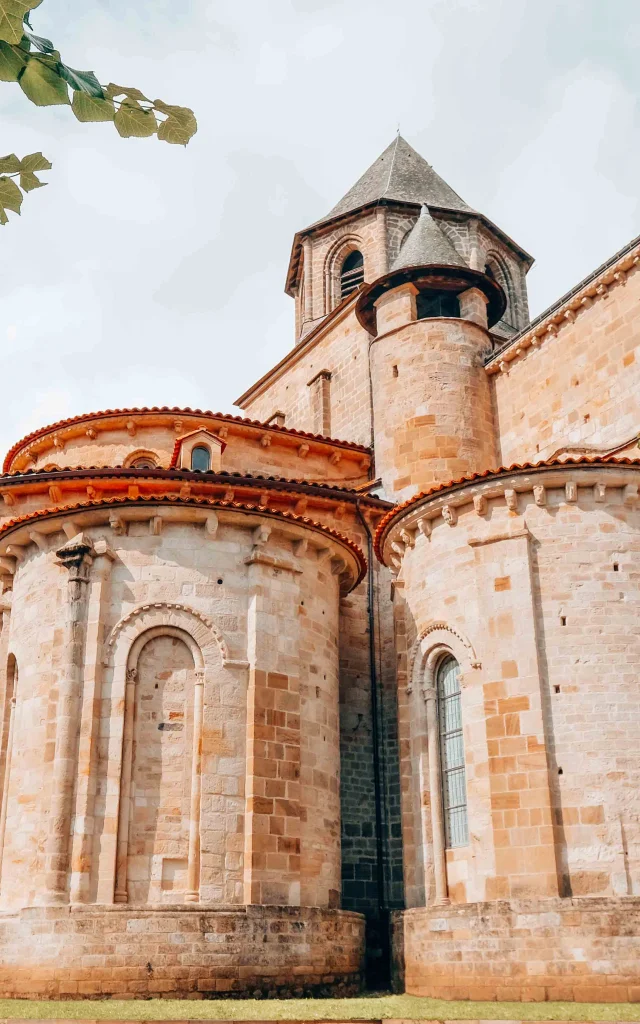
[{"x": 352, "y": 273}]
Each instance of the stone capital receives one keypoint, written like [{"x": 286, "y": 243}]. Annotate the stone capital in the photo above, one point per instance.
[{"x": 77, "y": 556}]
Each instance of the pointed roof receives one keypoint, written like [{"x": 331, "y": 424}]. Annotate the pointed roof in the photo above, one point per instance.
[
  {"x": 402, "y": 175},
  {"x": 426, "y": 244}
]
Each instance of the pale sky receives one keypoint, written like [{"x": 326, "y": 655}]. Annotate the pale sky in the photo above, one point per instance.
[{"x": 148, "y": 274}]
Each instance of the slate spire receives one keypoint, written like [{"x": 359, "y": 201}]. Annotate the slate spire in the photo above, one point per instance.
[
  {"x": 426, "y": 244},
  {"x": 402, "y": 175}
]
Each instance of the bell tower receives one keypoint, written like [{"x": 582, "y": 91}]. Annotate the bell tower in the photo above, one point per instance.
[{"x": 361, "y": 237}]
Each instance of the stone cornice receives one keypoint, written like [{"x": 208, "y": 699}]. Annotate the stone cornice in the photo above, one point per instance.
[
  {"x": 606, "y": 481},
  {"x": 568, "y": 308}
]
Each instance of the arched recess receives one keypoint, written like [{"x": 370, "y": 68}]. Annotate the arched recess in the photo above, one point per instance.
[
  {"x": 6, "y": 747},
  {"x": 496, "y": 268},
  {"x": 161, "y": 624},
  {"x": 435, "y": 642},
  {"x": 142, "y": 458},
  {"x": 334, "y": 259}
]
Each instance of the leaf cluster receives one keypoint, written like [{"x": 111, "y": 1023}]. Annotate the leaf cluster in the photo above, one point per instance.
[
  {"x": 17, "y": 175},
  {"x": 35, "y": 64}
]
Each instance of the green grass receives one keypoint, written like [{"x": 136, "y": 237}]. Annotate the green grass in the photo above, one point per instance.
[{"x": 362, "y": 1008}]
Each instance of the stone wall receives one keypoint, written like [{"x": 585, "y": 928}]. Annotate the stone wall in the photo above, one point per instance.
[
  {"x": 531, "y": 950},
  {"x": 532, "y": 588},
  {"x": 580, "y": 387},
  {"x": 178, "y": 951}
]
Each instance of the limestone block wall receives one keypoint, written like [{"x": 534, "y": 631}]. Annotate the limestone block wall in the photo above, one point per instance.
[
  {"x": 433, "y": 418},
  {"x": 207, "y": 762},
  {"x": 529, "y": 581},
  {"x": 342, "y": 349},
  {"x": 579, "y": 385}
]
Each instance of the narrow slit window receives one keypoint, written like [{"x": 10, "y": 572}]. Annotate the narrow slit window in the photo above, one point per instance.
[
  {"x": 454, "y": 782},
  {"x": 352, "y": 274},
  {"x": 201, "y": 459}
]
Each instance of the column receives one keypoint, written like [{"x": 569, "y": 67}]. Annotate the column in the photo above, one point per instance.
[
  {"x": 435, "y": 798},
  {"x": 272, "y": 869},
  {"x": 124, "y": 815},
  {"x": 76, "y": 557},
  {"x": 193, "y": 864},
  {"x": 97, "y": 616},
  {"x": 307, "y": 270}
]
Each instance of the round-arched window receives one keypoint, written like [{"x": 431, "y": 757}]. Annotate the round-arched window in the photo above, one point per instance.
[
  {"x": 454, "y": 782},
  {"x": 144, "y": 462},
  {"x": 351, "y": 274},
  {"x": 201, "y": 459}
]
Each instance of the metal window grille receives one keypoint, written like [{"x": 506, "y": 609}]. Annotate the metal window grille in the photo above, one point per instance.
[
  {"x": 454, "y": 783},
  {"x": 352, "y": 274}
]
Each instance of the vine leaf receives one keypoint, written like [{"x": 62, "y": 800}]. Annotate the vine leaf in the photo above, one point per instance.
[
  {"x": 29, "y": 181},
  {"x": 12, "y": 15},
  {"x": 10, "y": 164},
  {"x": 10, "y": 198},
  {"x": 40, "y": 43},
  {"x": 42, "y": 85},
  {"x": 35, "y": 162},
  {"x": 133, "y": 121},
  {"x": 11, "y": 63},
  {"x": 91, "y": 108},
  {"x": 82, "y": 81},
  {"x": 113, "y": 91},
  {"x": 180, "y": 126}
]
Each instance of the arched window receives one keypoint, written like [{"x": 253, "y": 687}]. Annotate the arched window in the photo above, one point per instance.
[
  {"x": 454, "y": 783},
  {"x": 351, "y": 274},
  {"x": 430, "y": 303},
  {"x": 144, "y": 462},
  {"x": 201, "y": 459}
]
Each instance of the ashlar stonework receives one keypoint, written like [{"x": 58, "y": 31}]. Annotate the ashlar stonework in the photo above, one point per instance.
[{"x": 284, "y": 714}]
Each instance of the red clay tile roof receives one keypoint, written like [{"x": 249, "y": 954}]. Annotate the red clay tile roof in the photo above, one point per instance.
[
  {"x": 177, "y": 411},
  {"x": 224, "y": 476},
  {"x": 172, "y": 499},
  {"x": 462, "y": 481}
]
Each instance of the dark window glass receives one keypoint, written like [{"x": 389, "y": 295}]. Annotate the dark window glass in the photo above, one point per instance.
[
  {"x": 201, "y": 459},
  {"x": 454, "y": 783},
  {"x": 430, "y": 304},
  {"x": 352, "y": 273}
]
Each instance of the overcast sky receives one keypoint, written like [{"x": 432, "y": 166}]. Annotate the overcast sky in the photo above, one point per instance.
[{"x": 148, "y": 274}]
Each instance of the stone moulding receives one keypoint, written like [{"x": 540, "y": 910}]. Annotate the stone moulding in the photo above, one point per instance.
[
  {"x": 439, "y": 634},
  {"x": 566, "y": 312},
  {"x": 605, "y": 481},
  {"x": 163, "y": 613}
]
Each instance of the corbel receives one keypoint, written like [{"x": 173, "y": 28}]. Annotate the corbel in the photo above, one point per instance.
[
  {"x": 599, "y": 492},
  {"x": 480, "y": 504},
  {"x": 264, "y": 498},
  {"x": 265, "y": 440},
  {"x": 571, "y": 491},
  {"x": 335, "y": 458},
  {"x": 91, "y": 433},
  {"x": 303, "y": 451},
  {"x": 229, "y": 495},
  {"x": 211, "y": 524},
  {"x": 424, "y": 525},
  {"x": 155, "y": 526},
  {"x": 55, "y": 494},
  {"x": 449, "y": 514},
  {"x": 300, "y": 547},
  {"x": 223, "y": 433},
  {"x": 511, "y": 499},
  {"x": 630, "y": 494},
  {"x": 8, "y": 497},
  {"x": 540, "y": 494},
  {"x": 300, "y": 507},
  {"x": 185, "y": 491},
  {"x": 408, "y": 537},
  {"x": 131, "y": 428},
  {"x": 261, "y": 534},
  {"x": 340, "y": 510},
  {"x": 117, "y": 524},
  {"x": 71, "y": 529},
  {"x": 38, "y": 540}
]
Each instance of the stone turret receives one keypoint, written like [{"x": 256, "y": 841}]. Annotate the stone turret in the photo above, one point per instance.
[{"x": 429, "y": 317}]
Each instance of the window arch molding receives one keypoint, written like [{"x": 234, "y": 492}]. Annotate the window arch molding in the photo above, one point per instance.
[
  {"x": 141, "y": 455},
  {"x": 433, "y": 642},
  {"x": 334, "y": 259},
  {"x": 495, "y": 262}
]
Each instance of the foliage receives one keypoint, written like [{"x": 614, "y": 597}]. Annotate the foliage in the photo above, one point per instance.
[{"x": 35, "y": 65}]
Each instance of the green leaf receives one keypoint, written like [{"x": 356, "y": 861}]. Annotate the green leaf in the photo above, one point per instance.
[
  {"x": 28, "y": 181},
  {"x": 11, "y": 63},
  {"x": 180, "y": 126},
  {"x": 9, "y": 164},
  {"x": 40, "y": 43},
  {"x": 134, "y": 122},
  {"x": 42, "y": 85},
  {"x": 10, "y": 198},
  {"x": 90, "y": 108},
  {"x": 82, "y": 81},
  {"x": 12, "y": 14},
  {"x": 112, "y": 91},
  {"x": 35, "y": 162}
]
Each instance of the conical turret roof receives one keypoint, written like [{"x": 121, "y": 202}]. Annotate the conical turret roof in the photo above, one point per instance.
[
  {"x": 426, "y": 244},
  {"x": 403, "y": 175}
]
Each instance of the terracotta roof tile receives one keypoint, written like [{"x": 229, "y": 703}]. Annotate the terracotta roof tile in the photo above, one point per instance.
[
  {"x": 398, "y": 510},
  {"x": 34, "y": 435}
]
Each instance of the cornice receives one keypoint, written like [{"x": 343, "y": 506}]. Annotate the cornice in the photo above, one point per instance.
[{"x": 568, "y": 308}]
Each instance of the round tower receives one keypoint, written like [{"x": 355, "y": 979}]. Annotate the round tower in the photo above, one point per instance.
[{"x": 429, "y": 317}]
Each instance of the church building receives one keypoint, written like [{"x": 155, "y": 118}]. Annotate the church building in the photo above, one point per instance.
[{"x": 344, "y": 690}]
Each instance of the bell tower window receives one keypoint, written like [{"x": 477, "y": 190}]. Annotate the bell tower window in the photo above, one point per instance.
[
  {"x": 352, "y": 273},
  {"x": 431, "y": 303},
  {"x": 201, "y": 459}
]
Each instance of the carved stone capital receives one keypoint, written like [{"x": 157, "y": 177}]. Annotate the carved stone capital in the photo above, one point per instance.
[{"x": 77, "y": 557}]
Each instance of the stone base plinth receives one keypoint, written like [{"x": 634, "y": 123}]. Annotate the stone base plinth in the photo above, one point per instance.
[
  {"x": 183, "y": 951},
  {"x": 587, "y": 950}
]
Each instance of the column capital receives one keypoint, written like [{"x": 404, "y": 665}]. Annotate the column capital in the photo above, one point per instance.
[{"x": 77, "y": 556}]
